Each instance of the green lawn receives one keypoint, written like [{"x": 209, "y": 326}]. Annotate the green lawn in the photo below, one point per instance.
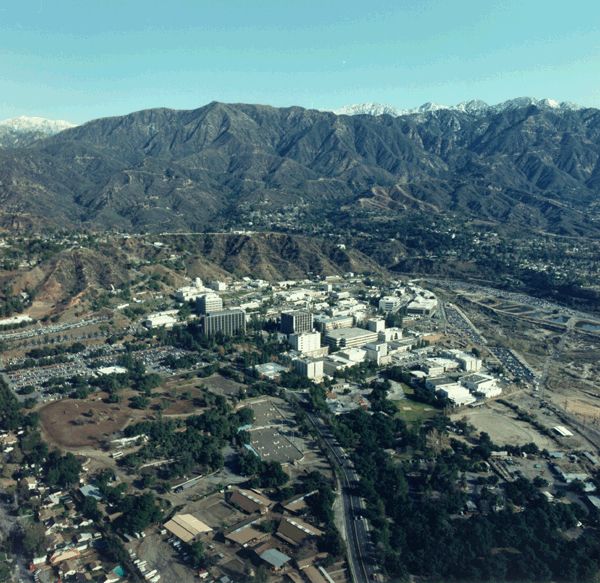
[{"x": 413, "y": 412}]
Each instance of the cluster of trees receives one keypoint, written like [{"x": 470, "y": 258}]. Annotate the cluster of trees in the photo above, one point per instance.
[
  {"x": 264, "y": 474},
  {"x": 62, "y": 470},
  {"x": 176, "y": 363},
  {"x": 10, "y": 410},
  {"x": 192, "y": 443},
  {"x": 320, "y": 505},
  {"x": 47, "y": 351},
  {"x": 139, "y": 512},
  {"x": 136, "y": 374},
  {"x": 415, "y": 512},
  {"x": 10, "y": 304}
]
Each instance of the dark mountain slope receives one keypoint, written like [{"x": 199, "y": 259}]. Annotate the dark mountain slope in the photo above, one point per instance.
[{"x": 163, "y": 169}]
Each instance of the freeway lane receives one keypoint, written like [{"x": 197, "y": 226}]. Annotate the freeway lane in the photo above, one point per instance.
[{"x": 357, "y": 537}]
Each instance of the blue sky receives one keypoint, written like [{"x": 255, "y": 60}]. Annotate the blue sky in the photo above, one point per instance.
[{"x": 81, "y": 59}]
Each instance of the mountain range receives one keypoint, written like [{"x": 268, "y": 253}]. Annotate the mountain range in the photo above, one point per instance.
[
  {"x": 526, "y": 164},
  {"x": 473, "y": 107}
]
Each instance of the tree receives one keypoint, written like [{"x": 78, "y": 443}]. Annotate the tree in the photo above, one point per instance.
[
  {"x": 62, "y": 471},
  {"x": 89, "y": 508},
  {"x": 331, "y": 542},
  {"x": 139, "y": 402},
  {"x": 272, "y": 475},
  {"x": 197, "y": 554},
  {"x": 10, "y": 410},
  {"x": 139, "y": 512},
  {"x": 31, "y": 538}
]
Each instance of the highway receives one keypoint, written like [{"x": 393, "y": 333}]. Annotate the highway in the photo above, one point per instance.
[{"x": 358, "y": 542}]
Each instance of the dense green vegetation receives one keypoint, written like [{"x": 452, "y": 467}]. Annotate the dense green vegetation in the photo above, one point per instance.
[
  {"x": 193, "y": 443},
  {"x": 416, "y": 509},
  {"x": 139, "y": 512},
  {"x": 264, "y": 474},
  {"x": 10, "y": 410}
]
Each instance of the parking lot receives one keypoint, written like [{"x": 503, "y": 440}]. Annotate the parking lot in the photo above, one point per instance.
[
  {"x": 271, "y": 445},
  {"x": 266, "y": 413}
]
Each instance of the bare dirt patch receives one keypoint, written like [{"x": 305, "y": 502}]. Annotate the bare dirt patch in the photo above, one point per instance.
[
  {"x": 72, "y": 423},
  {"x": 504, "y": 429},
  {"x": 584, "y": 409}
]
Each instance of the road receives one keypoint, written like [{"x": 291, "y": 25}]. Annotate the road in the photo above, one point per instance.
[
  {"x": 358, "y": 542},
  {"x": 53, "y": 329}
]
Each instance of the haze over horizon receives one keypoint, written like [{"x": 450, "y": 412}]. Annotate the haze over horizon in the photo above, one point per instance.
[{"x": 68, "y": 61}]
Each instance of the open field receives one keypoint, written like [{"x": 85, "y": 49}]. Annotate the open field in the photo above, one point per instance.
[
  {"x": 413, "y": 412},
  {"x": 503, "y": 428},
  {"x": 584, "y": 409},
  {"x": 72, "y": 423},
  {"x": 179, "y": 396}
]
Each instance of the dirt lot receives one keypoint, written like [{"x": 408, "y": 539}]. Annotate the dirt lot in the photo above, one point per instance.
[
  {"x": 74, "y": 423},
  {"x": 215, "y": 511},
  {"x": 584, "y": 408},
  {"x": 503, "y": 428}
]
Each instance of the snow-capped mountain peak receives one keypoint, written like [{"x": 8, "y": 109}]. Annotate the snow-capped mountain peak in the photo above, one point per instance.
[
  {"x": 36, "y": 124},
  {"x": 368, "y": 109},
  {"x": 472, "y": 107}
]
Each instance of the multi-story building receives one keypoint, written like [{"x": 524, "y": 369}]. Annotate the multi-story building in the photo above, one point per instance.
[
  {"x": 296, "y": 322},
  {"x": 190, "y": 292},
  {"x": 378, "y": 352},
  {"x": 325, "y": 323},
  {"x": 422, "y": 306},
  {"x": 208, "y": 303},
  {"x": 217, "y": 285},
  {"x": 306, "y": 342},
  {"x": 310, "y": 368},
  {"x": 349, "y": 337},
  {"x": 481, "y": 384},
  {"x": 389, "y": 303},
  {"x": 376, "y": 324},
  {"x": 166, "y": 319},
  {"x": 227, "y": 322}
]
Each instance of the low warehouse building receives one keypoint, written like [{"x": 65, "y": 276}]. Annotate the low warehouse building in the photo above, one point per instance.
[
  {"x": 250, "y": 501},
  {"x": 186, "y": 527}
]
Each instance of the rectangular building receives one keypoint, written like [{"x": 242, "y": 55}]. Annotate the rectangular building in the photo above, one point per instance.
[
  {"x": 166, "y": 319},
  {"x": 296, "y": 322},
  {"x": 349, "y": 337},
  {"x": 325, "y": 323},
  {"x": 310, "y": 368},
  {"x": 389, "y": 304},
  {"x": 226, "y": 322},
  {"x": 190, "y": 292},
  {"x": 306, "y": 342},
  {"x": 250, "y": 501},
  {"x": 208, "y": 303}
]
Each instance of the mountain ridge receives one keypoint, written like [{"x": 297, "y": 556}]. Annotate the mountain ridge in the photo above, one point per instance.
[
  {"x": 473, "y": 106},
  {"x": 225, "y": 165}
]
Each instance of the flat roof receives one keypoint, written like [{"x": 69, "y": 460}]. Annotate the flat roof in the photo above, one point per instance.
[
  {"x": 350, "y": 333},
  {"x": 562, "y": 430}
]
